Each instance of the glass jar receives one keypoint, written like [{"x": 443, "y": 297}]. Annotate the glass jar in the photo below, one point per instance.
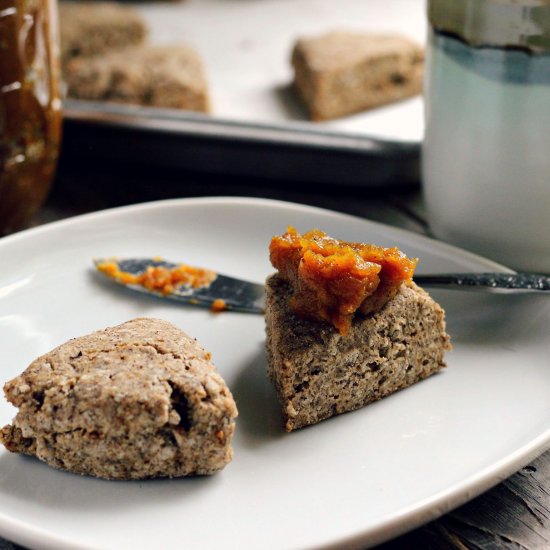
[
  {"x": 30, "y": 107},
  {"x": 486, "y": 152}
]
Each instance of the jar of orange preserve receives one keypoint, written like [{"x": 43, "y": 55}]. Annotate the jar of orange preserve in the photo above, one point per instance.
[{"x": 30, "y": 107}]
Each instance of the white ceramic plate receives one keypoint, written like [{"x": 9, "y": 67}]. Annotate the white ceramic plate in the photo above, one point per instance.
[
  {"x": 357, "y": 479},
  {"x": 246, "y": 48}
]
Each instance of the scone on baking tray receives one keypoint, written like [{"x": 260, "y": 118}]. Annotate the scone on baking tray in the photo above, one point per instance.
[
  {"x": 341, "y": 73},
  {"x": 138, "y": 400},
  {"x": 345, "y": 326},
  {"x": 160, "y": 76},
  {"x": 93, "y": 28}
]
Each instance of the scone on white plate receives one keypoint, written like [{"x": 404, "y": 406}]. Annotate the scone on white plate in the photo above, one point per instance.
[
  {"x": 139, "y": 400},
  {"x": 345, "y": 326}
]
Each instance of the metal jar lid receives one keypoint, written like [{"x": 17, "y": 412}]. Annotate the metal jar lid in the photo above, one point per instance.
[{"x": 498, "y": 23}]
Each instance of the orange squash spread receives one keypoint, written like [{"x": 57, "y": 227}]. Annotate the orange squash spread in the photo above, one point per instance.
[
  {"x": 218, "y": 305},
  {"x": 332, "y": 280},
  {"x": 161, "y": 279}
]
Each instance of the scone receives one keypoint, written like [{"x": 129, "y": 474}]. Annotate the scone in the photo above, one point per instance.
[
  {"x": 167, "y": 76},
  {"x": 139, "y": 400},
  {"x": 335, "y": 356},
  {"x": 94, "y": 28},
  {"x": 340, "y": 73}
]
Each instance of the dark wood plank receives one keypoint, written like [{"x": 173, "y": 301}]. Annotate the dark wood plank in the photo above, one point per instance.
[{"x": 513, "y": 515}]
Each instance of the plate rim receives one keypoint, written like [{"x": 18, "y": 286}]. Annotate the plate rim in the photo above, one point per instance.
[{"x": 243, "y": 200}]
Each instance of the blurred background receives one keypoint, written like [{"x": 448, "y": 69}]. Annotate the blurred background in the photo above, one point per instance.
[{"x": 198, "y": 97}]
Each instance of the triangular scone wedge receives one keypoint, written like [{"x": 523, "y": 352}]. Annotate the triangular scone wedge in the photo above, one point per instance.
[
  {"x": 318, "y": 372},
  {"x": 134, "y": 401},
  {"x": 340, "y": 72}
]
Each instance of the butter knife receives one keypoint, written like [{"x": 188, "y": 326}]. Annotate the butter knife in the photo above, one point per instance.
[{"x": 245, "y": 296}]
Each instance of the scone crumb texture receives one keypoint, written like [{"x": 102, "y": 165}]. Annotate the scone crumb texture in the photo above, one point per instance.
[
  {"x": 317, "y": 372},
  {"x": 138, "y": 400},
  {"x": 340, "y": 73}
]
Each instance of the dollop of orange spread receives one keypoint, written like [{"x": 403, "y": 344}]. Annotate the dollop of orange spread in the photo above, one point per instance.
[
  {"x": 161, "y": 279},
  {"x": 332, "y": 280},
  {"x": 218, "y": 305}
]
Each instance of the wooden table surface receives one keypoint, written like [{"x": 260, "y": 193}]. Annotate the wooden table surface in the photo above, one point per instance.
[{"x": 515, "y": 514}]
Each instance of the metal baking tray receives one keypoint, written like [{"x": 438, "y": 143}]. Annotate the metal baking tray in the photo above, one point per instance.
[
  {"x": 257, "y": 127},
  {"x": 191, "y": 142}
]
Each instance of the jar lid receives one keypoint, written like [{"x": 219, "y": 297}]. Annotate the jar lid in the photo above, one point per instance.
[{"x": 499, "y": 23}]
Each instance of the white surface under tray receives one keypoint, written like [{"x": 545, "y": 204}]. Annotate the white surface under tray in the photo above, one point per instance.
[{"x": 246, "y": 46}]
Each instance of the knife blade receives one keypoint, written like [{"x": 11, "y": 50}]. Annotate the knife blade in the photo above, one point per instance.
[{"x": 222, "y": 293}]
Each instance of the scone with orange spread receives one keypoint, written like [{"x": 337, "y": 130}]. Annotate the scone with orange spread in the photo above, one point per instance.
[{"x": 346, "y": 325}]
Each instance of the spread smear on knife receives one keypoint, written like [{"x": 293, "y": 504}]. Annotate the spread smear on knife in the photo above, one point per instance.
[
  {"x": 160, "y": 278},
  {"x": 184, "y": 283}
]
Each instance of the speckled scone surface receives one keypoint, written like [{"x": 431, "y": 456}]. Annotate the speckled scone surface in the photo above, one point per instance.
[
  {"x": 318, "y": 373},
  {"x": 134, "y": 401},
  {"x": 160, "y": 76},
  {"x": 93, "y": 28},
  {"x": 340, "y": 73}
]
